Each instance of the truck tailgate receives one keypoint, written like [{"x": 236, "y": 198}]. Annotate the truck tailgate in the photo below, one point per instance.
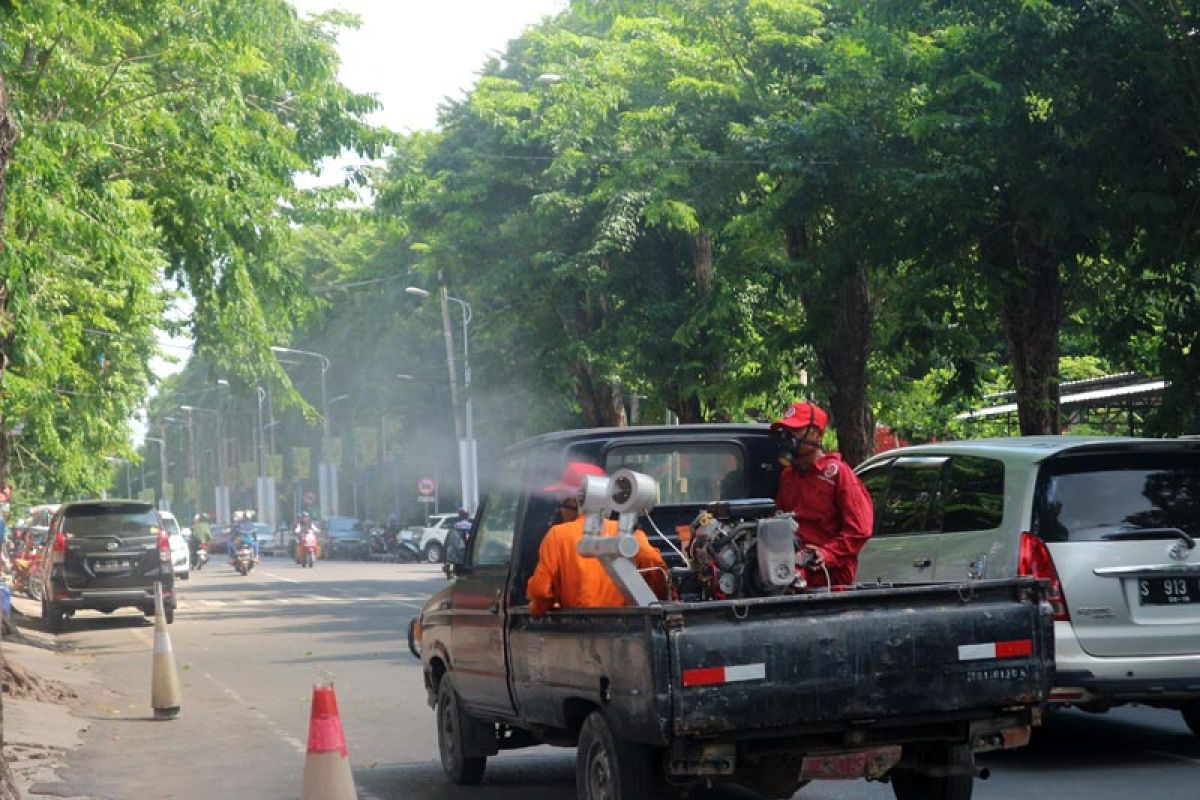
[{"x": 741, "y": 667}]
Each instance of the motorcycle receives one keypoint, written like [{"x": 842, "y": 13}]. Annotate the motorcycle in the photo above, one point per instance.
[
  {"x": 27, "y": 573},
  {"x": 201, "y": 557},
  {"x": 310, "y": 554},
  {"x": 244, "y": 559},
  {"x": 405, "y": 551}
]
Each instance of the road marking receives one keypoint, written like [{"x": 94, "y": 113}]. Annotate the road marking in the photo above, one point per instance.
[
  {"x": 270, "y": 723},
  {"x": 1173, "y": 756},
  {"x": 280, "y": 577}
]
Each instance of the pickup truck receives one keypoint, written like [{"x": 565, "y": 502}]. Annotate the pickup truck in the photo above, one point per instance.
[{"x": 897, "y": 683}]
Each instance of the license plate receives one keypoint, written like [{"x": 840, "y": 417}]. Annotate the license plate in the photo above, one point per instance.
[
  {"x": 111, "y": 565},
  {"x": 1168, "y": 591}
]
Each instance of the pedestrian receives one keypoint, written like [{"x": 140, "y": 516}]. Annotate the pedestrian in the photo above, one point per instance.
[
  {"x": 565, "y": 579},
  {"x": 826, "y": 498}
]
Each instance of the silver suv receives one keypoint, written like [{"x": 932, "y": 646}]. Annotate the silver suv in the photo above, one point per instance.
[{"x": 1110, "y": 522}]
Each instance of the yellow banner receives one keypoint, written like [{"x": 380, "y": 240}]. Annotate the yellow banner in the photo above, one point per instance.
[
  {"x": 275, "y": 467},
  {"x": 245, "y": 473},
  {"x": 392, "y": 430},
  {"x": 301, "y": 463},
  {"x": 366, "y": 441},
  {"x": 189, "y": 489},
  {"x": 331, "y": 451}
]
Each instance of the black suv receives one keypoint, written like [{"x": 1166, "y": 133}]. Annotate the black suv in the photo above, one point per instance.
[{"x": 105, "y": 555}]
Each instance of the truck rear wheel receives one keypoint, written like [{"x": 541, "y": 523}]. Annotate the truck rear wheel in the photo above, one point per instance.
[
  {"x": 910, "y": 785},
  {"x": 460, "y": 768},
  {"x": 609, "y": 768}
]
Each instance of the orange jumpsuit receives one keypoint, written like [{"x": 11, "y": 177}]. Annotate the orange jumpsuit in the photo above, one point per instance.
[{"x": 563, "y": 578}]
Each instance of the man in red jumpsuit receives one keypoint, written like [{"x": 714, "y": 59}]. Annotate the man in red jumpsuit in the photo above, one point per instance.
[{"x": 828, "y": 501}]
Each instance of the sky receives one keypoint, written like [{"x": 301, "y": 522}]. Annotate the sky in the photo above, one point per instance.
[{"x": 410, "y": 54}]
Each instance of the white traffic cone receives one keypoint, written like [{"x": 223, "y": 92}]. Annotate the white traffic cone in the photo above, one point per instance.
[
  {"x": 327, "y": 765},
  {"x": 165, "y": 696}
]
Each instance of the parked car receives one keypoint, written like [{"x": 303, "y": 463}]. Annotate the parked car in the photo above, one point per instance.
[
  {"x": 180, "y": 556},
  {"x": 432, "y": 538},
  {"x": 1110, "y": 522},
  {"x": 105, "y": 555},
  {"x": 347, "y": 537}
]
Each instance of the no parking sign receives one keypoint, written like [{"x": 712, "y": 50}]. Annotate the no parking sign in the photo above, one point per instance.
[{"x": 426, "y": 487}]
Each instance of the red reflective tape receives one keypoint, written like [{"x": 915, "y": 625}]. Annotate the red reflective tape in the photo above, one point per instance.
[
  {"x": 703, "y": 676},
  {"x": 1014, "y": 649}
]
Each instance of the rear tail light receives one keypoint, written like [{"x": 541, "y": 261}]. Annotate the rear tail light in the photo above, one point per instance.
[
  {"x": 1035, "y": 561},
  {"x": 164, "y": 546},
  {"x": 58, "y": 553}
]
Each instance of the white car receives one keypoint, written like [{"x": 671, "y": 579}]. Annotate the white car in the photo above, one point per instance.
[
  {"x": 181, "y": 556},
  {"x": 432, "y": 538},
  {"x": 1110, "y": 523}
]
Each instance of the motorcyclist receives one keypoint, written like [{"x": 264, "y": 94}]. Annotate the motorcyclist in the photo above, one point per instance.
[
  {"x": 243, "y": 533},
  {"x": 201, "y": 535},
  {"x": 304, "y": 526}
]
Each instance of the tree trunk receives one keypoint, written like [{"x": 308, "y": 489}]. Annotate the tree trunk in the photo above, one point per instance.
[
  {"x": 844, "y": 361},
  {"x": 8, "y": 140},
  {"x": 1031, "y": 311},
  {"x": 702, "y": 263},
  {"x": 599, "y": 398},
  {"x": 842, "y": 348}
]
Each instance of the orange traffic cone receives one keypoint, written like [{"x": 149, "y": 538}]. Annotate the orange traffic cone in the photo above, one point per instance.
[
  {"x": 164, "y": 680},
  {"x": 327, "y": 765}
]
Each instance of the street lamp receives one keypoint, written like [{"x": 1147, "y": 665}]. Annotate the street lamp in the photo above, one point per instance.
[
  {"x": 220, "y": 491},
  {"x": 162, "y": 469},
  {"x": 327, "y": 472},
  {"x": 468, "y": 453}
]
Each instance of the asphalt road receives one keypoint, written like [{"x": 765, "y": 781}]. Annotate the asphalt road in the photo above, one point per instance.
[{"x": 249, "y": 650}]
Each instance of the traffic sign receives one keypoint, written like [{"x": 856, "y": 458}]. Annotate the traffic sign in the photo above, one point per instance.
[{"x": 426, "y": 487}]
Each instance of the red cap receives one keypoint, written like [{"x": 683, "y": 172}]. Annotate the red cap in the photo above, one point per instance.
[
  {"x": 802, "y": 415},
  {"x": 572, "y": 478}
]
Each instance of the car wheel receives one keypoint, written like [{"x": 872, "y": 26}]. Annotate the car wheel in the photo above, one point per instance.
[
  {"x": 1191, "y": 715},
  {"x": 52, "y": 616},
  {"x": 610, "y": 768},
  {"x": 169, "y": 613},
  {"x": 460, "y": 768},
  {"x": 34, "y": 589},
  {"x": 434, "y": 553},
  {"x": 910, "y": 785},
  {"x": 183, "y": 576}
]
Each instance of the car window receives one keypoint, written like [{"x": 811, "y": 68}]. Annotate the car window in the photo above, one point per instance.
[
  {"x": 910, "y": 507},
  {"x": 494, "y": 530},
  {"x": 687, "y": 473},
  {"x": 1082, "y": 499},
  {"x": 101, "y": 521},
  {"x": 972, "y": 496},
  {"x": 875, "y": 480}
]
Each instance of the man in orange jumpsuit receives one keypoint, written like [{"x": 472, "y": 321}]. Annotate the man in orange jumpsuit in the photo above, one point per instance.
[
  {"x": 565, "y": 579},
  {"x": 826, "y": 498}
]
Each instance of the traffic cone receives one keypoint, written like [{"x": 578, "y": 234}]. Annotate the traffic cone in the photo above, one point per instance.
[
  {"x": 164, "y": 682},
  {"x": 327, "y": 765}
]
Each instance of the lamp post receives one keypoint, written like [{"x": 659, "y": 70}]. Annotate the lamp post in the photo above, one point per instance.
[
  {"x": 163, "y": 504},
  {"x": 220, "y": 488},
  {"x": 326, "y": 471},
  {"x": 468, "y": 452}
]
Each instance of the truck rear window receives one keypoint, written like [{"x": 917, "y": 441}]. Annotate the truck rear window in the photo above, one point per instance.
[
  {"x": 686, "y": 473},
  {"x": 1083, "y": 499}
]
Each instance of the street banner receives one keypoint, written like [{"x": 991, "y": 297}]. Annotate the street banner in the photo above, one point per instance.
[
  {"x": 146, "y": 495},
  {"x": 275, "y": 466},
  {"x": 245, "y": 474},
  {"x": 366, "y": 443},
  {"x": 169, "y": 492},
  {"x": 301, "y": 463},
  {"x": 331, "y": 450},
  {"x": 189, "y": 488},
  {"x": 392, "y": 430}
]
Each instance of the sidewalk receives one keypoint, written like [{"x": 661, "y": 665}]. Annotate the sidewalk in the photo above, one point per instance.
[{"x": 39, "y": 729}]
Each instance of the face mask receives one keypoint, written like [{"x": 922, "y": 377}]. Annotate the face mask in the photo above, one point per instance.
[{"x": 788, "y": 447}]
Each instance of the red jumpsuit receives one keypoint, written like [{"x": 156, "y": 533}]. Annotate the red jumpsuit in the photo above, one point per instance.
[{"x": 834, "y": 512}]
